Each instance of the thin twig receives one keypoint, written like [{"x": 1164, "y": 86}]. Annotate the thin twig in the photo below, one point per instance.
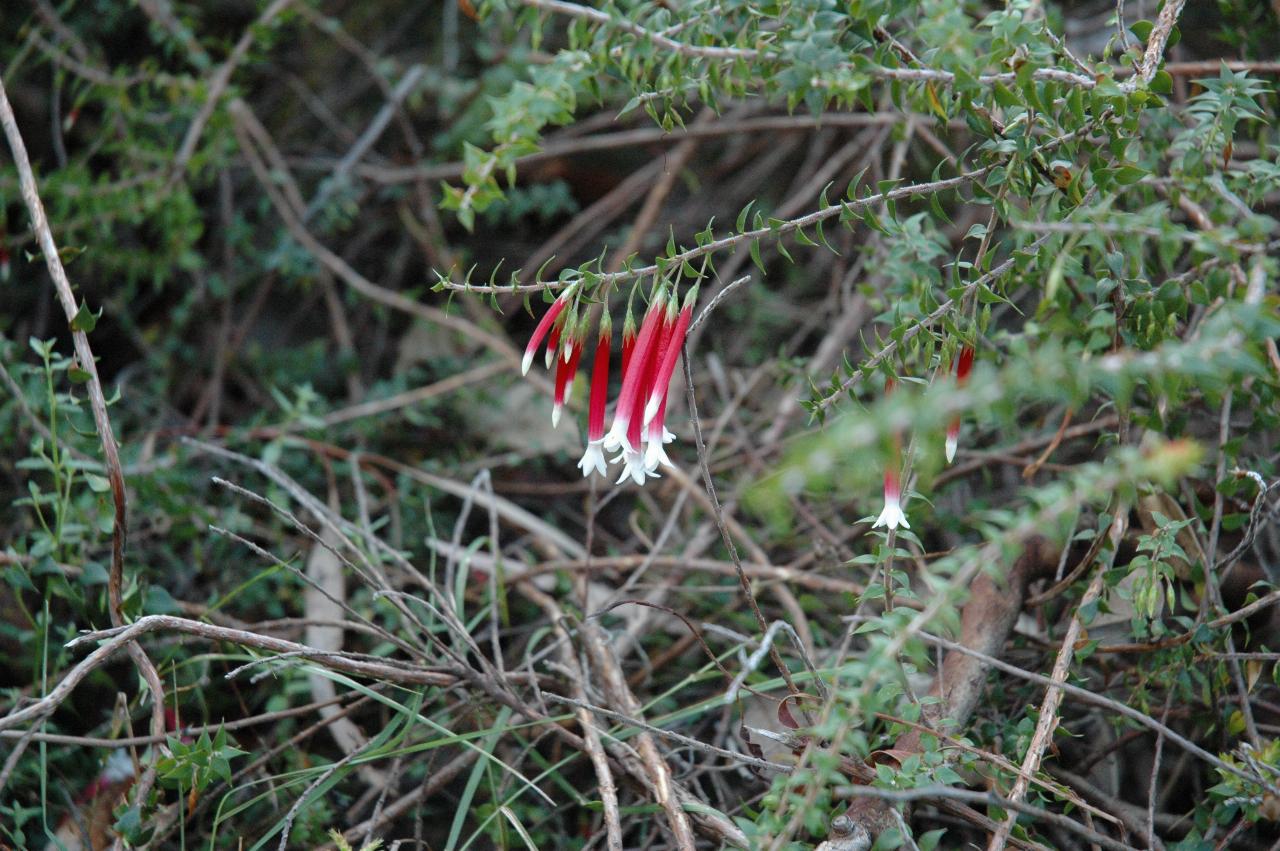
[
  {"x": 101, "y": 419},
  {"x": 1096, "y": 699},
  {"x": 1047, "y": 721},
  {"x": 724, "y": 532}
]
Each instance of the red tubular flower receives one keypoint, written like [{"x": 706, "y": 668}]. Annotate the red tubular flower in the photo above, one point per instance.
[
  {"x": 628, "y": 339},
  {"x": 572, "y": 344},
  {"x": 593, "y": 457},
  {"x": 566, "y": 369},
  {"x": 659, "y": 352},
  {"x": 633, "y": 377},
  {"x": 544, "y": 326},
  {"x": 963, "y": 363},
  {"x": 645, "y": 430},
  {"x": 636, "y": 463},
  {"x": 667, "y": 365},
  {"x": 553, "y": 343},
  {"x": 892, "y": 516}
]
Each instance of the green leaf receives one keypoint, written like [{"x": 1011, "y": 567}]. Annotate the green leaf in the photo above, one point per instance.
[
  {"x": 85, "y": 319},
  {"x": 1142, "y": 29},
  {"x": 929, "y": 841},
  {"x": 1127, "y": 175},
  {"x": 1004, "y": 97}
]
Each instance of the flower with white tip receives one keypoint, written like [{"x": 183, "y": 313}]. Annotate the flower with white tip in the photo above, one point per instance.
[
  {"x": 669, "y": 357},
  {"x": 634, "y": 454},
  {"x": 628, "y": 338},
  {"x": 593, "y": 460},
  {"x": 624, "y": 433},
  {"x": 964, "y": 363},
  {"x": 544, "y": 327},
  {"x": 633, "y": 467},
  {"x": 655, "y": 452},
  {"x": 566, "y": 369},
  {"x": 892, "y": 516},
  {"x": 553, "y": 344}
]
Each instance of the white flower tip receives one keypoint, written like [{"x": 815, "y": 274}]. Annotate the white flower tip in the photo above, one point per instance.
[
  {"x": 567, "y": 352},
  {"x": 651, "y": 408},
  {"x": 667, "y": 436},
  {"x": 633, "y": 467},
  {"x": 654, "y": 456},
  {"x": 526, "y": 362},
  {"x": 555, "y": 415},
  {"x": 952, "y": 442},
  {"x": 892, "y": 517},
  {"x": 549, "y": 357},
  {"x": 617, "y": 437},
  {"x": 593, "y": 460}
]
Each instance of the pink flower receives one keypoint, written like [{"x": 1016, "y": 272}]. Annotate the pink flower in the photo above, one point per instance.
[
  {"x": 544, "y": 326},
  {"x": 621, "y": 433},
  {"x": 892, "y": 516},
  {"x": 593, "y": 457},
  {"x": 963, "y": 363}
]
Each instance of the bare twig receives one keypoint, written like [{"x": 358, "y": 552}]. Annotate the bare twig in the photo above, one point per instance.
[
  {"x": 388, "y": 670},
  {"x": 747, "y": 591},
  {"x": 101, "y": 419},
  {"x": 1048, "y": 717}
]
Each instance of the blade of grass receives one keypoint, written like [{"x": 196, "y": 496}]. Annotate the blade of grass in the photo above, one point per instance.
[{"x": 473, "y": 781}]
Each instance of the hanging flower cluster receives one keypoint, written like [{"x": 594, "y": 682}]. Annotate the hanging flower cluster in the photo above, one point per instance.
[{"x": 638, "y": 433}]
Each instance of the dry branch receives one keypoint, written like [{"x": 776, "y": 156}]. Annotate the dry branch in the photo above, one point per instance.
[{"x": 102, "y": 422}]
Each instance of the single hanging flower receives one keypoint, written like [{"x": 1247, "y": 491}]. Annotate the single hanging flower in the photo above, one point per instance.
[
  {"x": 579, "y": 346},
  {"x": 655, "y": 454},
  {"x": 593, "y": 458},
  {"x": 572, "y": 345},
  {"x": 566, "y": 369},
  {"x": 633, "y": 377},
  {"x": 964, "y": 363},
  {"x": 892, "y": 516},
  {"x": 628, "y": 338},
  {"x": 544, "y": 326},
  {"x": 651, "y": 426},
  {"x": 632, "y": 456},
  {"x": 553, "y": 342}
]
